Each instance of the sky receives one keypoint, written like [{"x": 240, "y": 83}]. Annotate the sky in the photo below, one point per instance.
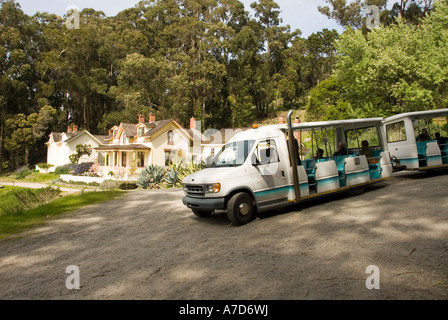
[{"x": 299, "y": 14}]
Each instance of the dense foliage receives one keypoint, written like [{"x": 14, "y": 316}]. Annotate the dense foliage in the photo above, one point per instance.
[
  {"x": 399, "y": 68},
  {"x": 210, "y": 59}
]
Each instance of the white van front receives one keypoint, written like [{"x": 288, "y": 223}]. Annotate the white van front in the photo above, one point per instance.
[{"x": 206, "y": 190}]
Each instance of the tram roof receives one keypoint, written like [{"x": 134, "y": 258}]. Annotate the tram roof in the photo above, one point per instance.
[
  {"x": 418, "y": 114},
  {"x": 349, "y": 124}
]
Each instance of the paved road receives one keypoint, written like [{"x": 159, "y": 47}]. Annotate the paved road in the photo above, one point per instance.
[{"x": 147, "y": 245}]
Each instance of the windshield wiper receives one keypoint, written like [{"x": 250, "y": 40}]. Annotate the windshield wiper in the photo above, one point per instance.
[{"x": 223, "y": 165}]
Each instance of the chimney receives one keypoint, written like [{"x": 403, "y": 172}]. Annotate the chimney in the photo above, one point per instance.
[
  {"x": 110, "y": 131},
  {"x": 69, "y": 129},
  {"x": 152, "y": 117},
  {"x": 141, "y": 118},
  {"x": 193, "y": 123},
  {"x": 75, "y": 128},
  {"x": 281, "y": 120}
]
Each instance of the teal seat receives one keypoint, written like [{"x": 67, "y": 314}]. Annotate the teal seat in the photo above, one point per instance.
[
  {"x": 376, "y": 153},
  {"x": 421, "y": 148},
  {"x": 340, "y": 164},
  {"x": 375, "y": 170}
]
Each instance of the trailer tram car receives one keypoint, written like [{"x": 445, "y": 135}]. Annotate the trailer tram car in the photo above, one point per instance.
[{"x": 418, "y": 140}]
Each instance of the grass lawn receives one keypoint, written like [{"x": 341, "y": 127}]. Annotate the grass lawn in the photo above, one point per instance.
[
  {"x": 41, "y": 177},
  {"x": 32, "y": 177},
  {"x": 16, "y": 222}
]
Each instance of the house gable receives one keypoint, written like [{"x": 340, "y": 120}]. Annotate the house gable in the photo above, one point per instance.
[
  {"x": 85, "y": 132},
  {"x": 170, "y": 125}
]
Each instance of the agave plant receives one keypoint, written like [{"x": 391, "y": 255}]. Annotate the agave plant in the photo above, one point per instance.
[
  {"x": 172, "y": 177},
  {"x": 178, "y": 172},
  {"x": 151, "y": 176}
]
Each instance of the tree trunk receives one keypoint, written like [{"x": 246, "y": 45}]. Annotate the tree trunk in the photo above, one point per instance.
[
  {"x": 27, "y": 152},
  {"x": 1, "y": 147},
  {"x": 85, "y": 112},
  {"x": 16, "y": 159}
]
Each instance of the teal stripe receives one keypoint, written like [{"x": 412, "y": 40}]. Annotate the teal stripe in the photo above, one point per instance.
[
  {"x": 409, "y": 161},
  {"x": 303, "y": 186},
  {"x": 273, "y": 190}
]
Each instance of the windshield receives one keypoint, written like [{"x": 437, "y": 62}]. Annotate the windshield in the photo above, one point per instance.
[{"x": 233, "y": 154}]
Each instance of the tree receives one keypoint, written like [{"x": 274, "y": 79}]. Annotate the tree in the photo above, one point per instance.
[
  {"x": 396, "y": 69},
  {"x": 327, "y": 102},
  {"x": 81, "y": 150},
  {"x": 23, "y": 132},
  {"x": 321, "y": 55},
  {"x": 349, "y": 13}
]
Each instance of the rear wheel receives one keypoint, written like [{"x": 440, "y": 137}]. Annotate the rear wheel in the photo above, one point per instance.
[
  {"x": 240, "y": 209},
  {"x": 202, "y": 213}
]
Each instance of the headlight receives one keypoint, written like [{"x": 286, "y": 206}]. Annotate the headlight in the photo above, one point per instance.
[{"x": 214, "y": 188}]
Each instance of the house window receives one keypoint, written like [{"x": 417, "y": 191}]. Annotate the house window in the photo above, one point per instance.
[
  {"x": 106, "y": 159},
  {"x": 115, "y": 158},
  {"x": 140, "y": 159},
  {"x": 141, "y": 131},
  {"x": 212, "y": 152},
  {"x": 169, "y": 157},
  {"x": 123, "y": 159},
  {"x": 170, "y": 137}
]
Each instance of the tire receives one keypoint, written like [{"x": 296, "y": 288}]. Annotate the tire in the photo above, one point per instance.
[
  {"x": 240, "y": 209},
  {"x": 356, "y": 191},
  {"x": 202, "y": 213}
]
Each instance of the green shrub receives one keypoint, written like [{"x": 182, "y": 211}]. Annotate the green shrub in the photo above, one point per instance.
[
  {"x": 33, "y": 198},
  {"x": 128, "y": 186},
  {"x": 65, "y": 169},
  {"x": 109, "y": 185},
  {"x": 19, "y": 199},
  {"x": 93, "y": 184},
  {"x": 44, "y": 165},
  {"x": 57, "y": 180},
  {"x": 22, "y": 173},
  {"x": 83, "y": 168}
]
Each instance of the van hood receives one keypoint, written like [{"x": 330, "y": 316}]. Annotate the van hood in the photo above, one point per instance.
[{"x": 214, "y": 175}]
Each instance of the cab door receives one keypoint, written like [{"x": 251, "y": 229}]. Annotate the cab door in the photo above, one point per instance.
[{"x": 268, "y": 175}]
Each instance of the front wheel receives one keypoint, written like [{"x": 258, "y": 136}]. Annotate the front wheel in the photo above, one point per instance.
[
  {"x": 240, "y": 209},
  {"x": 202, "y": 213}
]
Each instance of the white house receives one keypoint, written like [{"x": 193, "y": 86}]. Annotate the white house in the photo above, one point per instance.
[
  {"x": 131, "y": 147},
  {"x": 63, "y": 144}
]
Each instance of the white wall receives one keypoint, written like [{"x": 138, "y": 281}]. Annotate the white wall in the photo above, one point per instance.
[
  {"x": 58, "y": 153},
  {"x": 160, "y": 144}
]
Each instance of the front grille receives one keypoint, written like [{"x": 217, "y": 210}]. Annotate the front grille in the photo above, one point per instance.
[{"x": 194, "y": 190}]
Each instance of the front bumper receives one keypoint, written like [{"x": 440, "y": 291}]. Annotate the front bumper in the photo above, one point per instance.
[{"x": 204, "y": 203}]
